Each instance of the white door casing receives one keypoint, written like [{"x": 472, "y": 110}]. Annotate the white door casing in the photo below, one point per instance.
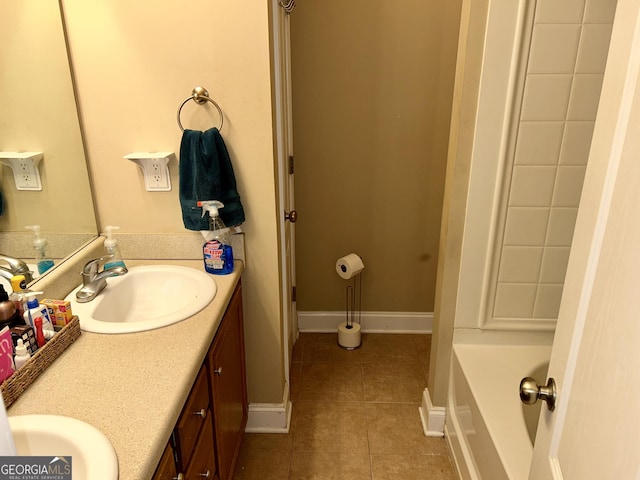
[{"x": 284, "y": 141}]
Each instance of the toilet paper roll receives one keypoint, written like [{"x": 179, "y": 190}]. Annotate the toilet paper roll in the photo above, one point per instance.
[
  {"x": 349, "y": 338},
  {"x": 349, "y": 266}
]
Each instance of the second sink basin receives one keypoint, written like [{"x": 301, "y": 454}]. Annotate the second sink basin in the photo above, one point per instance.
[
  {"x": 147, "y": 297},
  {"x": 92, "y": 455}
]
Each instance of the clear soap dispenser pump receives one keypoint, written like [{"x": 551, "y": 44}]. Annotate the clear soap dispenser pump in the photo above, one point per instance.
[
  {"x": 111, "y": 247},
  {"x": 43, "y": 262}
]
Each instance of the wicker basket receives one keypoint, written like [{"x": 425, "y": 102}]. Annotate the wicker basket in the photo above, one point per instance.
[{"x": 17, "y": 383}]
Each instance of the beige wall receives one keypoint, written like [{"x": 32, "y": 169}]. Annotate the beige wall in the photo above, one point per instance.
[
  {"x": 372, "y": 87},
  {"x": 134, "y": 66}
]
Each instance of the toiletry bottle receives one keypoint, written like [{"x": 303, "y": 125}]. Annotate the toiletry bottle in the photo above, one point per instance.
[
  {"x": 6, "y": 354},
  {"x": 33, "y": 311},
  {"x": 217, "y": 252},
  {"x": 111, "y": 246},
  {"x": 9, "y": 316},
  {"x": 22, "y": 354},
  {"x": 39, "y": 245},
  {"x": 39, "y": 331},
  {"x": 19, "y": 286}
]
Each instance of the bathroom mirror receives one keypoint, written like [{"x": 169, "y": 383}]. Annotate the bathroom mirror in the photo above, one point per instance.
[{"x": 39, "y": 114}]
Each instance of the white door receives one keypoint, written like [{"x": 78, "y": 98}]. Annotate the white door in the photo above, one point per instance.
[
  {"x": 284, "y": 137},
  {"x": 594, "y": 433}
]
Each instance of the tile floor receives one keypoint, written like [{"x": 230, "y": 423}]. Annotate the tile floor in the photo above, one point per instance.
[{"x": 355, "y": 415}]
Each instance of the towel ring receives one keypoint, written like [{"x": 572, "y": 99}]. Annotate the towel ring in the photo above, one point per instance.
[{"x": 200, "y": 96}]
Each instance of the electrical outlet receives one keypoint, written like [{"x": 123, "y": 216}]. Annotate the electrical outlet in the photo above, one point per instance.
[
  {"x": 27, "y": 176},
  {"x": 155, "y": 169},
  {"x": 156, "y": 174},
  {"x": 25, "y": 169}
]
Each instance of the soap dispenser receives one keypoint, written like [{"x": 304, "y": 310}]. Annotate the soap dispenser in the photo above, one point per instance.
[
  {"x": 111, "y": 247},
  {"x": 43, "y": 262}
]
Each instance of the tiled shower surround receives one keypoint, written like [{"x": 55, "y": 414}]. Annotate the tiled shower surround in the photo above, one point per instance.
[{"x": 565, "y": 67}]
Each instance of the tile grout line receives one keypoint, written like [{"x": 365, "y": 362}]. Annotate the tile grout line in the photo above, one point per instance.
[
  {"x": 366, "y": 421},
  {"x": 308, "y": 351}
]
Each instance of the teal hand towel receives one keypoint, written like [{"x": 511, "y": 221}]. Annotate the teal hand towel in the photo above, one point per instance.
[{"x": 206, "y": 173}]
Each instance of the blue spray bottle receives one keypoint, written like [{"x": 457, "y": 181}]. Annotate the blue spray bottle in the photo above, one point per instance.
[{"x": 217, "y": 252}]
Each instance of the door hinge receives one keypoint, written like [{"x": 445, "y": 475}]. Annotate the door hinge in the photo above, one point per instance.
[
  {"x": 293, "y": 293},
  {"x": 290, "y": 164}
]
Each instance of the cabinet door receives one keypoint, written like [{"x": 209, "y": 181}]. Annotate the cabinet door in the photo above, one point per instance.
[
  {"x": 166, "y": 468},
  {"x": 193, "y": 417},
  {"x": 228, "y": 385}
]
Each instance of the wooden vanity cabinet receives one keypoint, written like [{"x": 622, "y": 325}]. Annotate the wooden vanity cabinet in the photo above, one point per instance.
[
  {"x": 206, "y": 439},
  {"x": 167, "y": 467},
  {"x": 228, "y": 384}
]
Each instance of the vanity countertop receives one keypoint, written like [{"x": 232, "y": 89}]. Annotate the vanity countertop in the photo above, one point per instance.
[{"x": 131, "y": 386}]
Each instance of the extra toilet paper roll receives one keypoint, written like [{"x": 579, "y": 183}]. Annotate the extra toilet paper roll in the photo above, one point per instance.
[
  {"x": 349, "y": 338},
  {"x": 349, "y": 266}
]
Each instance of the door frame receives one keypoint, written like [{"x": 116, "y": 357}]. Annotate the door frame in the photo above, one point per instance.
[{"x": 284, "y": 148}]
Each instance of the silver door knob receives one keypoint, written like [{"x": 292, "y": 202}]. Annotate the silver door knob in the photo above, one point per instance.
[
  {"x": 530, "y": 392},
  {"x": 292, "y": 216}
]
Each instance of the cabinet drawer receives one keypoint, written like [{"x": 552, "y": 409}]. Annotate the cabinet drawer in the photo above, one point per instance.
[
  {"x": 203, "y": 461},
  {"x": 193, "y": 416}
]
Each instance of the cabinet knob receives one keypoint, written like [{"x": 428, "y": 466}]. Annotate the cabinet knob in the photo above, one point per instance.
[
  {"x": 218, "y": 371},
  {"x": 201, "y": 413},
  {"x": 179, "y": 477},
  {"x": 205, "y": 475}
]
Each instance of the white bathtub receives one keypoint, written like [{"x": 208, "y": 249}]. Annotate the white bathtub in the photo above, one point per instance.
[{"x": 485, "y": 424}]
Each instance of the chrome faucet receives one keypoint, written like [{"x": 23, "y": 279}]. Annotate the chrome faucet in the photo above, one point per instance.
[
  {"x": 93, "y": 282},
  {"x": 14, "y": 266}
]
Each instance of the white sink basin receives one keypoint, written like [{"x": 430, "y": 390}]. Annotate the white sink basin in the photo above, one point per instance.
[
  {"x": 92, "y": 455},
  {"x": 145, "y": 298}
]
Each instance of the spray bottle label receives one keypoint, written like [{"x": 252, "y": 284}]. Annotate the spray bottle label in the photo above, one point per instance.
[
  {"x": 218, "y": 258},
  {"x": 213, "y": 255}
]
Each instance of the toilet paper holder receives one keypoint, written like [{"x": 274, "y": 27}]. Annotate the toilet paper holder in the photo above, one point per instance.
[{"x": 350, "y": 267}]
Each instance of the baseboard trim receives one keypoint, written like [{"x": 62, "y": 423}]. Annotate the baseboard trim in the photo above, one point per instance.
[
  {"x": 270, "y": 417},
  {"x": 432, "y": 417},
  {"x": 372, "y": 322}
]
